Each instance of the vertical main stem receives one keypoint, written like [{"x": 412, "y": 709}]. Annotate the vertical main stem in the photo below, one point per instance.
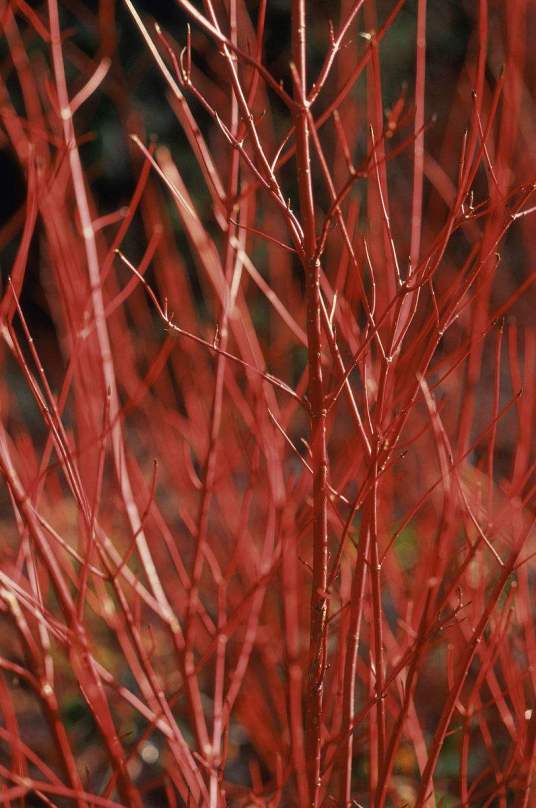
[
  {"x": 317, "y": 637},
  {"x": 311, "y": 264}
]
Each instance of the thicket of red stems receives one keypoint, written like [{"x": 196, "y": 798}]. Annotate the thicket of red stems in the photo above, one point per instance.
[{"x": 268, "y": 485}]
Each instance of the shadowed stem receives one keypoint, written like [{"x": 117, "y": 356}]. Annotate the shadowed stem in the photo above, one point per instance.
[{"x": 311, "y": 265}]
